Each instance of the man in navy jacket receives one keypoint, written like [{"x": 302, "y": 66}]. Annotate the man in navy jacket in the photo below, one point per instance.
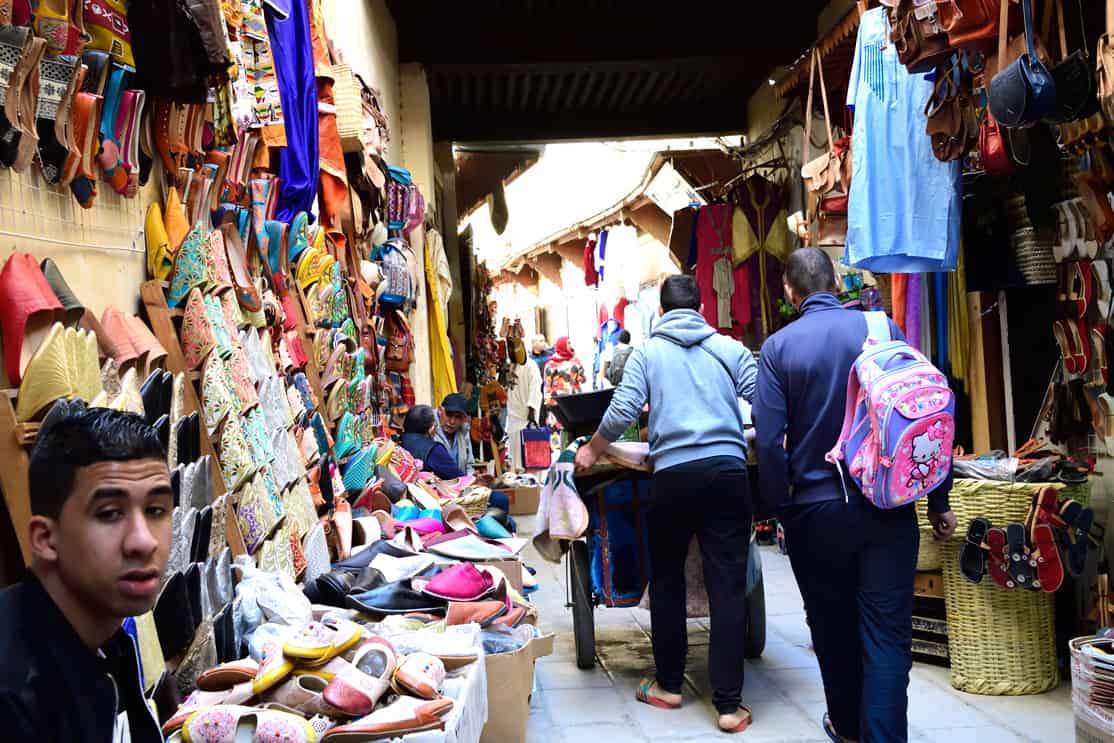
[{"x": 854, "y": 562}]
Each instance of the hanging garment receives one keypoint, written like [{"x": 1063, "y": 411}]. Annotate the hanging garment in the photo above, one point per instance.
[
  {"x": 334, "y": 174},
  {"x": 904, "y": 206},
  {"x": 299, "y": 161},
  {"x": 760, "y": 273},
  {"x": 620, "y": 312},
  {"x": 622, "y": 260},
  {"x": 713, "y": 240},
  {"x": 435, "y": 244},
  {"x": 524, "y": 396},
  {"x": 441, "y": 358},
  {"x": 723, "y": 282},
  {"x": 601, "y": 255},
  {"x": 899, "y": 282},
  {"x": 591, "y": 278},
  {"x": 913, "y": 310}
]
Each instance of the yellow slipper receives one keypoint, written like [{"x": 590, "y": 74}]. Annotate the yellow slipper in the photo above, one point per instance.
[
  {"x": 160, "y": 258},
  {"x": 46, "y": 378}
]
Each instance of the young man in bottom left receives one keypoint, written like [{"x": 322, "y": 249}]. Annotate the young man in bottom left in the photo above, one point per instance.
[{"x": 101, "y": 502}]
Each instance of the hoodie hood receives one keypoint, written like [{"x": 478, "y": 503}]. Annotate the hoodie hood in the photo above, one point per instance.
[{"x": 683, "y": 327}]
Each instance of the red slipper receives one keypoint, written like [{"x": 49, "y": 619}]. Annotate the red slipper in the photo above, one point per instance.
[
  {"x": 742, "y": 725},
  {"x": 642, "y": 694},
  {"x": 1050, "y": 569},
  {"x": 997, "y": 565}
]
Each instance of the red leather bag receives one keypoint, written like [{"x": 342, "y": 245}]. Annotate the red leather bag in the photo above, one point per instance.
[{"x": 995, "y": 157}]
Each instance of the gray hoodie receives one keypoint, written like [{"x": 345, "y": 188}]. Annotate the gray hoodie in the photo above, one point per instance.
[{"x": 692, "y": 377}]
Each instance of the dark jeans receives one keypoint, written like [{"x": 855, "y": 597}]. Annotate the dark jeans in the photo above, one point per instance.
[
  {"x": 709, "y": 499},
  {"x": 854, "y": 564}
]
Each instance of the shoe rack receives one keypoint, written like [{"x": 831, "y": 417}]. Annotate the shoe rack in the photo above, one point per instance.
[{"x": 161, "y": 319}]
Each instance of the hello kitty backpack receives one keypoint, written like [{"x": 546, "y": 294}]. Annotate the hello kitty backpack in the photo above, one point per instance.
[{"x": 899, "y": 424}]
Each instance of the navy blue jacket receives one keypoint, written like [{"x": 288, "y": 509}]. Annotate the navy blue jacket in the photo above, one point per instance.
[
  {"x": 434, "y": 455},
  {"x": 799, "y": 402}
]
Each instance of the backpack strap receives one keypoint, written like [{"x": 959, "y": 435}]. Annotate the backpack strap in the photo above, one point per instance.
[{"x": 877, "y": 326}]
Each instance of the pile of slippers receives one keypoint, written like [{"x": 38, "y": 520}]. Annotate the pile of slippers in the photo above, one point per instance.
[
  {"x": 328, "y": 681},
  {"x": 1036, "y": 555}
]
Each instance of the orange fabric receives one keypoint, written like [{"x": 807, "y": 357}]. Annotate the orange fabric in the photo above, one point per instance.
[{"x": 898, "y": 284}]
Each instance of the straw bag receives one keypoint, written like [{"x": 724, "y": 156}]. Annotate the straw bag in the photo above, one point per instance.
[
  {"x": 349, "y": 108},
  {"x": 822, "y": 173}
]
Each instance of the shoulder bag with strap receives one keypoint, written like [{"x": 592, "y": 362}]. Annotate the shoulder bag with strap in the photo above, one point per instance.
[{"x": 820, "y": 174}]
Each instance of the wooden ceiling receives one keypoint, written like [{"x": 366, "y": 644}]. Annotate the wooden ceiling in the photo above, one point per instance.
[{"x": 545, "y": 70}]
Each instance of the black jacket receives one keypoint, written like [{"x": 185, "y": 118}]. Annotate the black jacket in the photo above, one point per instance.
[
  {"x": 52, "y": 687},
  {"x": 801, "y": 394}
]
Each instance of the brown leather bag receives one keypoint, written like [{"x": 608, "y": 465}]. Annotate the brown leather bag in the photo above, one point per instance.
[
  {"x": 820, "y": 174},
  {"x": 952, "y": 122},
  {"x": 400, "y": 345},
  {"x": 920, "y": 42},
  {"x": 831, "y": 222},
  {"x": 970, "y": 24}
]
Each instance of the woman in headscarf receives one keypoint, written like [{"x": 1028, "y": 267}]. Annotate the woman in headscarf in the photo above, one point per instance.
[
  {"x": 419, "y": 438},
  {"x": 564, "y": 374}
]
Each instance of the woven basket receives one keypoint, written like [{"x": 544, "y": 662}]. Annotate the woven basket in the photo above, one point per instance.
[
  {"x": 349, "y": 108},
  {"x": 1001, "y": 642}
]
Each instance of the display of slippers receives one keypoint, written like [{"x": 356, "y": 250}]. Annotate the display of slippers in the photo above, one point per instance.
[
  {"x": 358, "y": 687},
  {"x": 401, "y": 717},
  {"x": 30, "y": 308}
]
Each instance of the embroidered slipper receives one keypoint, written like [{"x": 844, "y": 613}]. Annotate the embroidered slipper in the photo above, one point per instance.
[
  {"x": 401, "y": 717},
  {"x": 642, "y": 694},
  {"x": 320, "y": 642},
  {"x": 357, "y": 688},
  {"x": 740, "y": 726}
]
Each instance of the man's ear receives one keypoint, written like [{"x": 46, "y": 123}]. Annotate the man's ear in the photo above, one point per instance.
[{"x": 43, "y": 533}]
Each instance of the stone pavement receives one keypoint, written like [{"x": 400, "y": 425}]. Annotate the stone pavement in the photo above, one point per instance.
[{"x": 783, "y": 687}]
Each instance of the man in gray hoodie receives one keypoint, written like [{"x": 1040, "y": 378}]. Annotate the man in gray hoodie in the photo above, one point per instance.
[{"x": 692, "y": 378}]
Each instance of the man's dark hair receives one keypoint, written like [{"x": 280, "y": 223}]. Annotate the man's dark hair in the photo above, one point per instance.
[
  {"x": 624, "y": 336},
  {"x": 79, "y": 438},
  {"x": 810, "y": 271},
  {"x": 679, "y": 292},
  {"x": 419, "y": 420}
]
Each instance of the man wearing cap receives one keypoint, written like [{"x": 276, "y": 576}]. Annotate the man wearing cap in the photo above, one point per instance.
[{"x": 453, "y": 431}]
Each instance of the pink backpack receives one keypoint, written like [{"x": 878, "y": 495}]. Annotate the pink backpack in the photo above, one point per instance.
[{"x": 899, "y": 425}]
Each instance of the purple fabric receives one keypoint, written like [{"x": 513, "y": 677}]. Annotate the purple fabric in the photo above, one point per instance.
[
  {"x": 913, "y": 290},
  {"x": 299, "y": 161}
]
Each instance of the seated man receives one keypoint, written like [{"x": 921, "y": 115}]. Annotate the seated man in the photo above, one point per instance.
[
  {"x": 101, "y": 502},
  {"x": 453, "y": 431},
  {"x": 419, "y": 431}
]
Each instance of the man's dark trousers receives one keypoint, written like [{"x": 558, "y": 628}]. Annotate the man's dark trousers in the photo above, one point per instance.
[
  {"x": 708, "y": 499},
  {"x": 854, "y": 564}
]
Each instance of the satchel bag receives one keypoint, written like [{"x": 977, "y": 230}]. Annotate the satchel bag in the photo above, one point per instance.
[
  {"x": 400, "y": 346},
  {"x": 970, "y": 24},
  {"x": 1075, "y": 81},
  {"x": 952, "y": 122},
  {"x": 1024, "y": 92},
  {"x": 918, "y": 38},
  {"x": 537, "y": 453},
  {"x": 993, "y": 154},
  {"x": 831, "y": 222},
  {"x": 822, "y": 173}
]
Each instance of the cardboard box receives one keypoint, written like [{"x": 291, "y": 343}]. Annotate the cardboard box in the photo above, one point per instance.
[
  {"x": 511, "y": 567},
  {"x": 510, "y": 680},
  {"x": 524, "y": 501}
]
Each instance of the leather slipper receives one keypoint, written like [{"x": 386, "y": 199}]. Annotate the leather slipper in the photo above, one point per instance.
[{"x": 972, "y": 557}]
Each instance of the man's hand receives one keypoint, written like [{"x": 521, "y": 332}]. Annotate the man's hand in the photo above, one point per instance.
[
  {"x": 585, "y": 458},
  {"x": 943, "y": 525}
]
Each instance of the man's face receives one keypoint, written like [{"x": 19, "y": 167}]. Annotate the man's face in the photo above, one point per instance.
[
  {"x": 538, "y": 346},
  {"x": 452, "y": 422},
  {"x": 111, "y": 541}
]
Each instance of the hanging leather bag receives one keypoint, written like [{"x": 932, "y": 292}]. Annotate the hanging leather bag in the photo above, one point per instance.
[
  {"x": 1105, "y": 60},
  {"x": 1074, "y": 77},
  {"x": 1024, "y": 92},
  {"x": 822, "y": 173},
  {"x": 970, "y": 24},
  {"x": 917, "y": 36},
  {"x": 951, "y": 121},
  {"x": 993, "y": 154}
]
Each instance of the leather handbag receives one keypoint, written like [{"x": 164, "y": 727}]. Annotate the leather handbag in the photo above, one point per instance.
[
  {"x": 822, "y": 173},
  {"x": 993, "y": 154},
  {"x": 831, "y": 222},
  {"x": 1075, "y": 80},
  {"x": 917, "y": 36},
  {"x": 1024, "y": 92},
  {"x": 970, "y": 24},
  {"x": 952, "y": 123}
]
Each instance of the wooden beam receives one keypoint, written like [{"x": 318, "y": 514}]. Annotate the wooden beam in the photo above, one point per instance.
[
  {"x": 549, "y": 266},
  {"x": 651, "y": 219},
  {"x": 572, "y": 251}
]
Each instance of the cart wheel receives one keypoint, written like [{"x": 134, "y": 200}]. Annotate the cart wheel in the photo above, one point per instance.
[
  {"x": 755, "y": 640},
  {"x": 583, "y": 621}
]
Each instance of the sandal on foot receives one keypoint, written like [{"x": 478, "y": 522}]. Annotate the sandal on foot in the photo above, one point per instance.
[
  {"x": 740, "y": 726},
  {"x": 643, "y": 695}
]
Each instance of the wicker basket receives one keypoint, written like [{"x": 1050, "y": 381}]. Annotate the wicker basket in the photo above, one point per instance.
[
  {"x": 1001, "y": 642},
  {"x": 349, "y": 108}
]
